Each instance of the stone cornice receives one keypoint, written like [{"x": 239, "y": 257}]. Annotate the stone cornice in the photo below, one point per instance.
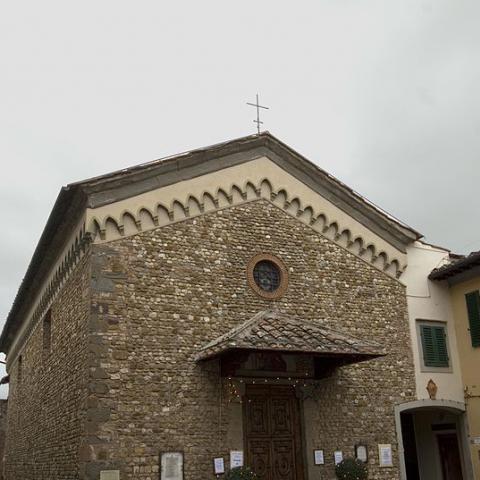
[{"x": 160, "y": 173}]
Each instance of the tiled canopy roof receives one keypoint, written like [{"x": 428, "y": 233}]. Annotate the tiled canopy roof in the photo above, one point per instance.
[{"x": 274, "y": 331}]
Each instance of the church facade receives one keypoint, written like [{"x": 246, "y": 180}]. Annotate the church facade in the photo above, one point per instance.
[{"x": 235, "y": 302}]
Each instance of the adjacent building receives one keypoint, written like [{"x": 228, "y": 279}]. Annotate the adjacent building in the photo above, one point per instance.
[
  {"x": 435, "y": 436},
  {"x": 233, "y": 301},
  {"x": 462, "y": 278}
]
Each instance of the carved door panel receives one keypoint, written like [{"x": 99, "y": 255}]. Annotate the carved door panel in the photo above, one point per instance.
[
  {"x": 257, "y": 422},
  {"x": 283, "y": 460},
  {"x": 281, "y": 417},
  {"x": 260, "y": 461},
  {"x": 272, "y": 432}
]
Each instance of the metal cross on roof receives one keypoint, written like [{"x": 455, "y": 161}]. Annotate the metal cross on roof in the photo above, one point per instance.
[{"x": 258, "y": 106}]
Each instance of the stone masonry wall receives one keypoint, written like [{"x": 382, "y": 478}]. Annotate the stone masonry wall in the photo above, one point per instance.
[
  {"x": 161, "y": 295},
  {"x": 46, "y": 407},
  {"x": 3, "y": 433}
]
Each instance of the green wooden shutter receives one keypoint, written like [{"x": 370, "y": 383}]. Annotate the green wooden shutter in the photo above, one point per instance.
[
  {"x": 473, "y": 308},
  {"x": 434, "y": 345},
  {"x": 441, "y": 346},
  {"x": 427, "y": 345}
]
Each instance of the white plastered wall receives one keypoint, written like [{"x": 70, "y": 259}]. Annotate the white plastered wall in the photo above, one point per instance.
[{"x": 429, "y": 300}]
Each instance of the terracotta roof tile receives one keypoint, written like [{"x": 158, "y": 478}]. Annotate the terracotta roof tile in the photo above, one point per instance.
[
  {"x": 270, "y": 330},
  {"x": 456, "y": 267}
]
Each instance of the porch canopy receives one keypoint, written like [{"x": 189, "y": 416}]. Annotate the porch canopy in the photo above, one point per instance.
[{"x": 274, "y": 333}]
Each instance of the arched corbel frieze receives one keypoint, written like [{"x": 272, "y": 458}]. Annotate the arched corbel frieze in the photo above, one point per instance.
[
  {"x": 158, "y": 215},
  {"x": 146, "y": 219}
]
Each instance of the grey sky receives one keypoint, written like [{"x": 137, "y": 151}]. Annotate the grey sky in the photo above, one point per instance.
[{"x": 383, "y": 94}]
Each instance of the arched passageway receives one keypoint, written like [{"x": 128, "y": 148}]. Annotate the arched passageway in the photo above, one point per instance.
[{"x": 433, "y": 441}]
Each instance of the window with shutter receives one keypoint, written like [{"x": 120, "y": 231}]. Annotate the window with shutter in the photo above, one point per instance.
[
  {"x": 473, "y": 309},
  {"x": 434, "y": 345}
]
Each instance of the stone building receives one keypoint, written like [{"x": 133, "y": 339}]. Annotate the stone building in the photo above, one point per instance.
[
  {"x": 233, "y": 298},
  {"x": 3, "y": 431}
]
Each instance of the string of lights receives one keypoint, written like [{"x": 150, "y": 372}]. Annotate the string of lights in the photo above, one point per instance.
[{"x": 234, "y": 391}]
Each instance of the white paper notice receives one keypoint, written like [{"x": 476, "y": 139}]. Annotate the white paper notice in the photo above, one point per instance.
[
  {"x": 338, "y": 457},
  {"x": 236, "y": 458},
  {"x": 172, "y": 466},
  {"x": 218, "y": 466},
  {"x": 318, "y": 455},
  {"x": 362, "y": 453},
  {"x": 110, "y": 475},
  {"x": 385, "y": 455}
]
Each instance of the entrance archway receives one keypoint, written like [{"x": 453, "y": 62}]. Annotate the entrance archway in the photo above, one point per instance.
[{"x": 432, "y": 440}]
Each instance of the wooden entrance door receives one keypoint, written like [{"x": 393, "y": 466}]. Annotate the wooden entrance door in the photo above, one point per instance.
[
  {"x": 272, "y": 432},
  {"x": 450, "y": 456}
]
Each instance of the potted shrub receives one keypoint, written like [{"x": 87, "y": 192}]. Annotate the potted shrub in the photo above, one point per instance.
[
  {"x": 351, "y": 469},
  {"x": 240, "y": 473}
]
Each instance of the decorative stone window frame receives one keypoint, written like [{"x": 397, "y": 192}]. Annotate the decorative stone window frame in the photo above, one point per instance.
[{"x": 282, "y": 288}]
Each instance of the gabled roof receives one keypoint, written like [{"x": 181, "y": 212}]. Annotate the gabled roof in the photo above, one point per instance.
[
  {"x": 94, "y": 192},
  {"x": 274, "y": 331},
  {"x": 141, "y": 178}
]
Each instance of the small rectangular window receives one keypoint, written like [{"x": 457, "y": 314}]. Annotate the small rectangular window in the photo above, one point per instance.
[
  {"x": 47, "y": 333},
  {"x": 19, "y": 369},
  {"x": 434, "y": 345},
  {"x": 473, "y": 309}
]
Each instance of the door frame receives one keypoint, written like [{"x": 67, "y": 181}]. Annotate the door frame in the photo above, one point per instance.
[{"x": 300, "y": 454}]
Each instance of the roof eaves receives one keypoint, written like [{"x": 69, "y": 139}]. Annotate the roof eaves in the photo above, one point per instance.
[
  {"x": 368, "y": 203},
  {"x": 455, "y": 268},
  {"x": 67, "y": 206}
]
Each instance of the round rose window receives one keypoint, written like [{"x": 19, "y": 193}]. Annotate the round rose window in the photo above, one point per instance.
[{"x": 267, "y": 276}]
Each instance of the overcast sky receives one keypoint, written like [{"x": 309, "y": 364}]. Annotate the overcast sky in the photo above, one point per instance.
[{"x": 382, "y": 94}]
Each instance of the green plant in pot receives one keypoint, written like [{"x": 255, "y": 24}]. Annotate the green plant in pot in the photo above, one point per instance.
[
  {"x": 351, "y": 469},
  {"x": 240, "y": 473}
]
